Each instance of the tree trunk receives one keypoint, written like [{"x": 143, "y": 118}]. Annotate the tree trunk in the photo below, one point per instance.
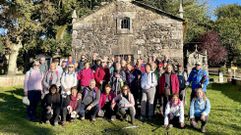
[{"x": 12, "y": 64}]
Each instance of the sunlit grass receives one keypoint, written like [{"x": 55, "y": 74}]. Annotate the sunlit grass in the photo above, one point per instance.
[{"x": 225, "y": 117}]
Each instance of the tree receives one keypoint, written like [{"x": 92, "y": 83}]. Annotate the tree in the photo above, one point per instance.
[
  {"x": 228, "y": 25},
  {"x": 16, "y": 17},
  {"x": 217, "y": 53}
]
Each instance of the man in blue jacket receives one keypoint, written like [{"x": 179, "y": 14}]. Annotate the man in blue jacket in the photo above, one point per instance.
[{"x": 198, "y": 78}]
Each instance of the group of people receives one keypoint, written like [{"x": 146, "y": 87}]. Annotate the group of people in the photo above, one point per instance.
[{"x": 115, "y": 88}]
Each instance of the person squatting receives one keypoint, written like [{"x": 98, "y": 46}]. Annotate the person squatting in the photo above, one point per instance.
[{"x": 115, "y": 88}]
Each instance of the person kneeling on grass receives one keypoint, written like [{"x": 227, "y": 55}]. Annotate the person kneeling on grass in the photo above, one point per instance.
[
  {"x": 51, "y": 106},
  {"x": 199, "y": 109},
  {"x": 174, "y": 113},
  {"x": 75, "y": 101},
  {"x": 90, "y": 101},
  {"x": 105, "y": 103},
  {"x": 126, "y": 104}
]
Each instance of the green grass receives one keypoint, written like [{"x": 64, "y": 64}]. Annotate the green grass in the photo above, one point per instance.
[{"x": 225, "y": 117}]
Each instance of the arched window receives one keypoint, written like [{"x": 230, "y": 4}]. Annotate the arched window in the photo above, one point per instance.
[{"x": 125, "y": 23}]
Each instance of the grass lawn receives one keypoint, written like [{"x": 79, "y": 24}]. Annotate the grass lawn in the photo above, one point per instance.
[{"x": 225, "y": 117}]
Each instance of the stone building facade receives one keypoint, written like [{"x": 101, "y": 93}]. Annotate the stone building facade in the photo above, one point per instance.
[{"x": 126, "y": 27}]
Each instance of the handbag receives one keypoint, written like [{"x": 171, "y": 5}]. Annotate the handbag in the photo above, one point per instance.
[{"x": 26, "y": 101}]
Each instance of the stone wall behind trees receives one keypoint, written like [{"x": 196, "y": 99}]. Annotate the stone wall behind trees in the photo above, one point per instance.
[{"x": 150, "y": 33}]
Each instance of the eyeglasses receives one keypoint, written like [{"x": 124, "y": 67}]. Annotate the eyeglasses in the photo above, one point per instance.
[
  {"x": 126, "y": 89},
  {"x": 71, "y": 67}
]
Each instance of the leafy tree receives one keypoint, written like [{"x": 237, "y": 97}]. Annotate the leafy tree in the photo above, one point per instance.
[
  {"x": 228, "y": 25},
  {"x": 217, "y": 53}
]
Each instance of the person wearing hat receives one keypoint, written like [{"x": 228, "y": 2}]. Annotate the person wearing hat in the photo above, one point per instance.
[
  {"x": 33, "y": 89},
  {"x": 198, "y": 78}
]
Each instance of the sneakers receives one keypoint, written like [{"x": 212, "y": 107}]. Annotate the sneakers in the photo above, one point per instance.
[
  {"x": 47, "y": 122},
  {"x": 194, "y": 124},
  {"x": 113, "y": 118},
  {"x": 56, "y": 123},
  {"x": 203, "y": 129},
  {"x": 82, "y": 118},
  {"x": 93, "y": 119},
  {"x": 170, "y": 126}
]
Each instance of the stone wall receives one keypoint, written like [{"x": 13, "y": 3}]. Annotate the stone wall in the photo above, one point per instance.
[
  {"x": 9, "y": 81},
  {"x": 151, "y": 33}
]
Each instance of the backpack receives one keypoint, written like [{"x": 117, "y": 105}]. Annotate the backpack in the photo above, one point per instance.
[{"x": 181, "y": 81}]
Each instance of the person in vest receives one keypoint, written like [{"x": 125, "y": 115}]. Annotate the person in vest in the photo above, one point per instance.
[
  {"x": 75, "y": 101},
  {"x": 174, "y": 113},
  {"x": 148, "y": 85},
  {"x": 118, "y": 79},
  {"x": 90, "y": 101},
  {"x": 68, "y": 80},
  {"x": 168, "y": 86},
  {"x": 198, "y": 78},
  {"x": 199, "y": 109},
  {"x": 85, "y": 75},
  {"x": 51, "y": 77},
  {"x": 43, "y": 65},
  {"x": 105, "y": 103},
  {"x": 51, "y": 106},
  {"x": 33, "y": 89},
  {"x": 126, "y": 104},
  {"x": 182, "y": 78}
]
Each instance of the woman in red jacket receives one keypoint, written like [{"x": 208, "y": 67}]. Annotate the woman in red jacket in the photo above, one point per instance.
[{"x": 168, "y": 85}]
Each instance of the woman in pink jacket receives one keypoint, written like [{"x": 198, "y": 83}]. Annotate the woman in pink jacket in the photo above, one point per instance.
[
  {"x": 85, "y": 75},
  {"x": 105, "y": 103},
  {"x": 126, "y": 104}
]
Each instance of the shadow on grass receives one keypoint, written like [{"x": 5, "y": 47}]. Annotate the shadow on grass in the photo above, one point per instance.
[
  {"x": 13, "y": 114},
  {"x": 231, "y": 91}
]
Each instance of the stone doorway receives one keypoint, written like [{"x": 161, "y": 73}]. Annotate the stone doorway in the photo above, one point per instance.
[{"x": 126, "y": 57}]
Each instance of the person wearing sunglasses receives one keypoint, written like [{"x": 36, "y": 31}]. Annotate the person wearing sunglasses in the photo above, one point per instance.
[
  {"x": 126, "y": 104},
  {"x": 33, "y": 89}
]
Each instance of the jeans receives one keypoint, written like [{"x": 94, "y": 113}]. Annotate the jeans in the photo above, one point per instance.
[
  {"x": 93, "y": 111},
  {"x": 34, "y": 97}
]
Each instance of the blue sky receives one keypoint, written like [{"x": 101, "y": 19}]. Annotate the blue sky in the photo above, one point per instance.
[{"x": 213, "y": 4}]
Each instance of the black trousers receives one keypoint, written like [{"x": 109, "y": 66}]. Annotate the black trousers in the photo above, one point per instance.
[
  {"x": 34, "y": 97},
  {"x": 64, "y": 111},
  {"x": 108, "y": 111},
  {"x": 203, "y": 122},
  {"x": 46, "y": 116}
]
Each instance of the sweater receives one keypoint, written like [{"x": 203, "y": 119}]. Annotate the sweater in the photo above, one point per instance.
[
  {"x": 68, "y": 81},
  {"x": 199, "y": 107},
  {"x": 51, "y": 78},
  {"x": 175, "y": 111},
  {"x": 84, "y": 77},
  {"x": 33, "y": 80}
]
